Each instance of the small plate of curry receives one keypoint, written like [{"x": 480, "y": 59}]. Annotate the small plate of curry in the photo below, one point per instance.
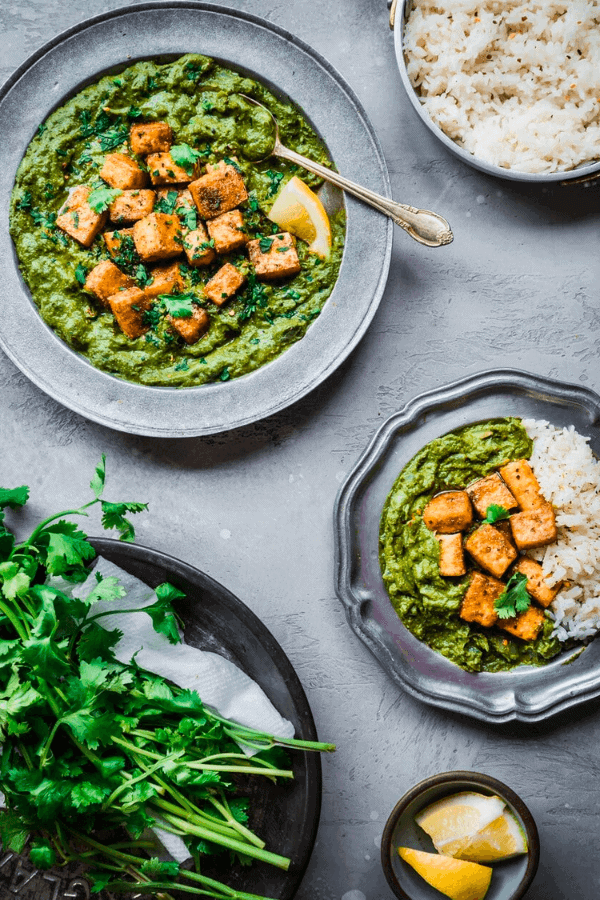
[{"x": 437, "y": 529}]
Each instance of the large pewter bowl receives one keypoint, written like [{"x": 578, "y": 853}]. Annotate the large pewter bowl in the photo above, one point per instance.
[
  {"x": 291, "y": 69},
  {"x": 526, "y": 693}
]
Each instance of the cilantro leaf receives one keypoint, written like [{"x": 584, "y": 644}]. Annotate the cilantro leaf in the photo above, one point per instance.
[
  {"x": 167, "y": 203},
  {"x": 81, "y": 274},
  {"x": 158, "y": 871},
  {"x": 185, "y": 156},
  {"x": 97, "y": 642},
  {"x": 107, "y": 588},
  {"x": 495, "y": 513},
  {"x": 67, "y": 547},
  {"x": 181, "y": 306},
  {"x": 101, "y": 198},
  {"x": 13, "y": 498},
  {"x": 161, "y": 612},
  {"x": 100, "y": 880},
  {"x": 15, "y": 582},
  {"x": 113, "y": 516},
  {"x": 514, "y": 599},
  {"x": 97, "y": 482},
  {"x": 265, "y": 244},
  {"x": 42, "y": 854}
]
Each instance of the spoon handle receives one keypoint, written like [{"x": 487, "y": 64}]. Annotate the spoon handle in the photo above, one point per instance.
[{"x": 424, "y": 226}]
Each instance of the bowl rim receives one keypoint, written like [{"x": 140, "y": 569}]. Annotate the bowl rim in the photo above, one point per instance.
[
  {"x": 456, "y": 777},
  {"x": 580, "y": 173}
]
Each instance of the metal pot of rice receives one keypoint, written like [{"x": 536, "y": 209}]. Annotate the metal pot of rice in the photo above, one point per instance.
[{"x": 512, "y": 87}]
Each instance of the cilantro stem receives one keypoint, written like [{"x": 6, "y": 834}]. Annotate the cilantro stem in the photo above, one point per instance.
[
  {"x": 281, "y": 862},
  {"x": 48, "y": 743},
  {"x": 37, "y": 531},
  {"x": 16, "y": 623}
]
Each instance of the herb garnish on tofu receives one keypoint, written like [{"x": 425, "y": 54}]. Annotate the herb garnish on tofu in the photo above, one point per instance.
[{"x": 514, "y": 599}]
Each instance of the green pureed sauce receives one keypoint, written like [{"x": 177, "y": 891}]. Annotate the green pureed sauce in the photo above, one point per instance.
[
  {"x": 200, "y": 100},
  {"x": 427, "y": 603}
]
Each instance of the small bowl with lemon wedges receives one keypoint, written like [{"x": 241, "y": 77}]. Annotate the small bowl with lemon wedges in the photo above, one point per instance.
[{"x": 462, "y": 835}]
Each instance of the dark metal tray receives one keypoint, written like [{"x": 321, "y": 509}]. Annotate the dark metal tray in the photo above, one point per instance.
[
  {"x": 527, "y": 693},
  {"x": 286, "y": 816},
  {"x": 291, "y": 68}
]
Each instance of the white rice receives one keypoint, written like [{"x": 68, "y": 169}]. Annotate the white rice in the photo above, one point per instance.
[
  {"x": 515, "y": 82},
  {"x": 569, "y": 476}
]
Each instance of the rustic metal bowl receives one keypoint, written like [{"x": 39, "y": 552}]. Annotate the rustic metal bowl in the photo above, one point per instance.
[
  {"x": 292, "y": 69},
  {"x": 399, "y": 13}
]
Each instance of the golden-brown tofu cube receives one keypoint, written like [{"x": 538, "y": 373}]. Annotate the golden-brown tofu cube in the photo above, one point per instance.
[
  {"x": 491, "y": 549},
  {"x": 227, "y": 231},
  {"x": 153, "y": 137},
  {"x": 523, "y": 484},
  {"x": 121, "y": 171},
  {"x": 449, "y": 512},
  {"x": 131, "y": 206},
  {"x": 274, "y": 256},
  {"x": 218, "y": 191},
  {"x": 158, "y": 236},
  {"x": 478, "y": 604},
  {"x": 452, "y": 556},
  {"x": 192, "y": 327},
  {"x": 490, "y": 491},
  {"x": 198, "y": 247},
  {"x": 536, "y": 585},
  {"x": 527, "y": 625},
  {"x": 163, "y": 170},
  {"x": 534, "y": 527},
  {"x": 78, "y": 218},
  {"x": 114, "y": 240},
  {"x": 224, "y": 284},
  {"x": 106, "y": 279},
  {"x": 165, "y": 280},
  {"x": 128, "y": 307}
]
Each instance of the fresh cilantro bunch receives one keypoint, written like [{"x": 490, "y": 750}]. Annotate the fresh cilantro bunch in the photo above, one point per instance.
[{"x": 93, "y": 747}]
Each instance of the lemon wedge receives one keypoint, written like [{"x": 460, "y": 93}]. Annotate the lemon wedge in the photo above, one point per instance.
[
  {"x": 458, "y": 817},
  {"x": 501, "y": 839},
  {"x": 456, "y": 878},
  {"x": 298, "y": 209}
]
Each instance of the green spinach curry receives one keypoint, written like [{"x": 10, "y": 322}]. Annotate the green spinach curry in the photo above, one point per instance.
[
  {"x": 200, "y": 102},
  {"x": 428, "y": 603}
]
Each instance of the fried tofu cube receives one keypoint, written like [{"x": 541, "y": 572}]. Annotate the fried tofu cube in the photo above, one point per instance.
[
  {"x": 106, "y": 279},
  {"x": 490, "y": 491},
  {"x": 198, "y": 247},
  {"x": 523, "y": 484},
  {"x": 527, "y": 625},
  {"x": 163, "y": 170},
  {"x": 192, "y": 327},
  {"x": 534, "y": 527},
  {"x": 78, "y": 218},
  {"x": 218, "y": 191},
  {"x": 491, "y": 549},
  {"x": 131, "y": 206},
  {"x": 452, "y": 556},
  {"x": 449, "y": 512},
  {"x": 115, "y": 240},
  {"x": 153, "y": 137},
  {"x": 121, "y": 171},
  {"x": 478, "y": 604},
  {"x": 165, "y": 280},
  {"x": 158, "y": 236},
  {"x": 536, "y": 585},
  {"x": 128, "y": 307},
  {"x": 274, "y": 256},
  {"x": 224, "y": 284},
  {"x": 227, "y": 231}
]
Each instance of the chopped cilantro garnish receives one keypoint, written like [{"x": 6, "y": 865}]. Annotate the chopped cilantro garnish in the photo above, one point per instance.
[
  {"x": 265, "y": 244},
  {"x": 80, "y": 273},
  {"x": 225, "y": 376},
  {"x": 182, "y": 365},
  {"x": 101, "y": 198},
  {"x": 275, "y": 179},
  {"x": 167, "y": 203},
  {"x": 495, "y": 513}
]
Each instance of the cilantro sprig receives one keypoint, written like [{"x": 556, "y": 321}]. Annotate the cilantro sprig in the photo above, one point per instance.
[
  {"x": 101, "y": 198},
  {"x": 514, "y": 599},
  {"x": 185, "y": 156},
  {"x": 92, "y": 745},
  {"x": 495, "y": 513}
]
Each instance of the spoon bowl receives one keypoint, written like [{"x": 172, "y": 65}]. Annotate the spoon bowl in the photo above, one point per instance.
[{"x": 424, "y": 226}]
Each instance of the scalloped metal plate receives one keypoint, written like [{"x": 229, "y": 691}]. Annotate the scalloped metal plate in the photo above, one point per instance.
[{"x": 526, "y": 694}]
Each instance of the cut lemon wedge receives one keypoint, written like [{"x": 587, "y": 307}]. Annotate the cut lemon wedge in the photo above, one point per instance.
[
  {"x": 501, "y": 839},
  {"x": 298, "y": 210},
  {"x": 458, "y": 818},
  {"x": 456, "y": 878}
]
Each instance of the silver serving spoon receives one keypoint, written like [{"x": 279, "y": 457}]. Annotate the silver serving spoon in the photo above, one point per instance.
[{"x": 424, "y": 226}]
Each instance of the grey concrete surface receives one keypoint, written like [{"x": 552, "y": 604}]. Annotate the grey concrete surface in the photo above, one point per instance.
[{"x": 519, "y": 287}]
